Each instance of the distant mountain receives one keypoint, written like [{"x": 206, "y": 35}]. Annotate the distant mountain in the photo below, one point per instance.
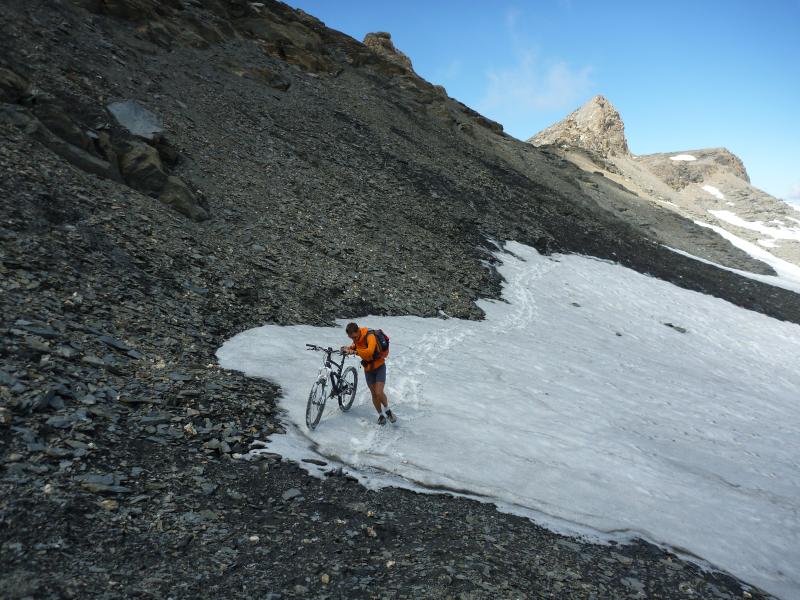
[
  {"x": 709, "y": 186},
  {"x": 595, "y": 126}
]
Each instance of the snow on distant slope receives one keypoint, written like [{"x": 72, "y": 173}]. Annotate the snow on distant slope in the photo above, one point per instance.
[
  {"x": 594, "y": 395},
  {"x": 714, "y": 191},
  {"x": 779, "y": 233},
  {"x": 683, "y": 157},
  {"x": 788, "y": 273}
]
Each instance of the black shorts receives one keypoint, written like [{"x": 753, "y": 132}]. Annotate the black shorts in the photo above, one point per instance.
[{"x": 377, "y": 375}]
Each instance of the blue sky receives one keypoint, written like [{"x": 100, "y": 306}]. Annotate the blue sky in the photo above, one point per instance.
[{"x": 684, "y": 75}]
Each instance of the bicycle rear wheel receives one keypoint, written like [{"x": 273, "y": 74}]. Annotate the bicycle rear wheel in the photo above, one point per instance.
[
  {"x": 316, "y": 404},
  {"x": 348, "y": 385}
]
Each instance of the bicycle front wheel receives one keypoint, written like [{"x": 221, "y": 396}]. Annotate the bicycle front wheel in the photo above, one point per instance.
[
  {"x": 347, "y": 388},
  {"x": 315, "y": 405}
]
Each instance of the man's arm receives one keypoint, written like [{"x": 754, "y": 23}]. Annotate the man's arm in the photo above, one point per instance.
[{"x": 368, "y": 353}]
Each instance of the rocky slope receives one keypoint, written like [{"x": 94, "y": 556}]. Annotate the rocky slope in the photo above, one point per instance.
[
  {"x": 709, "y": 185},
  {"x": 284, "y": 173}
]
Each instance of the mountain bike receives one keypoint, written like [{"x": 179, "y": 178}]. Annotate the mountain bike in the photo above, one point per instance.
[{"x": 343, "y": 385}]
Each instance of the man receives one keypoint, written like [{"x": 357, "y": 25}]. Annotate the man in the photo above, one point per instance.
[{"x": 365, "y": 344}]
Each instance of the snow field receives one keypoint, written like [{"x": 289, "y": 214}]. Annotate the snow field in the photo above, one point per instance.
[{"x": 575, "y": 400}]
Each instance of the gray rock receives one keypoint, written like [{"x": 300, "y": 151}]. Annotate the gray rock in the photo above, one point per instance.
[
  {"x": 177, "y": 195},
  {"x": 136, "y": 118},
  {"x": 291, "y": 493},
  {"x": 141, "y": 167}
]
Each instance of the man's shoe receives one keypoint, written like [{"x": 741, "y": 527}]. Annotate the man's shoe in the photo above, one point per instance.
[
  {"x": 390, "y": 416},
  {"x": 381, "y": 420}
]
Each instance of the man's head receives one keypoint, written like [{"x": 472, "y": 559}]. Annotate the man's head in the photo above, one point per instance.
[{"x": 353, "y": 331}]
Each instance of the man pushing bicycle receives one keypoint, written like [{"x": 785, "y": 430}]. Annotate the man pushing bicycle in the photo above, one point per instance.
[{"x": 373, "y": 348}]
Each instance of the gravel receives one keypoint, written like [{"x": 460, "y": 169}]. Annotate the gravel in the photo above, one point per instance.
[{"x": 334, "y": 186}]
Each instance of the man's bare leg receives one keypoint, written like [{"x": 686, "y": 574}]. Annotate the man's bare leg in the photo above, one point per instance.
[
  {"x": 376, "y": 399},
  {"x": 382, "y": 399}
]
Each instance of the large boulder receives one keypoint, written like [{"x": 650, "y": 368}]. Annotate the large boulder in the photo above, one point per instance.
[
  {"x": 137, "y": 119},
  {"x": 142, "y": 169},
  {"x": 57, "y": 121},
  {"x": 34, "y": 128},
  {"x": 177, "y": 195}
]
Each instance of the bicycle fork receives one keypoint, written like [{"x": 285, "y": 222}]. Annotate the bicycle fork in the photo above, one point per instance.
[{"x": 324, "y": 373}]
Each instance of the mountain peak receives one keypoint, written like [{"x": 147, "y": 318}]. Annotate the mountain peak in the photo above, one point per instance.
[{"x": 595, "y": 126}]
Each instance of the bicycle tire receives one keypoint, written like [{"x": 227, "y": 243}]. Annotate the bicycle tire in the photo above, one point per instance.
[
  {"x": 315, "y": 404},
  {"x": 347, "y": 388}
]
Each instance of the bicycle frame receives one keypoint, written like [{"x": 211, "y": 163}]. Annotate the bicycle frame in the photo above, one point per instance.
[{"x": 326, "y": 372}]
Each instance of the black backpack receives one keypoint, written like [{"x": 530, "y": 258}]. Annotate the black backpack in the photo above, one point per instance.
[{"x": 382, "y": 342}]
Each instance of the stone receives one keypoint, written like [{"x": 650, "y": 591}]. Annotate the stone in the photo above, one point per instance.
[
  {"x": 137, "y": 119},
  {"x": 109, "y": 505},
  {"x": 63, "y": 126},
  {"x": 142, "y": 169},
  {"x": 178, "y": 196},
  {"x": 291, "y": 494},
  {"x": 34, "y": 128}
]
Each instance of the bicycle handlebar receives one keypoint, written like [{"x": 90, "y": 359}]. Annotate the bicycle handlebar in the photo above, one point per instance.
[{"x": 321, "y": 349}]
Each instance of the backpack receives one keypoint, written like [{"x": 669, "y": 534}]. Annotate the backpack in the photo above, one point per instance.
[{"x": 382, "y": 343}]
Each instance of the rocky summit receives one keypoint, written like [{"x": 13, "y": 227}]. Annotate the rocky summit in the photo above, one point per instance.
[
  {"x": 595, "y": 126},
  {"x": 173, "y": 172},
  {"x": 708, "y": 186}
]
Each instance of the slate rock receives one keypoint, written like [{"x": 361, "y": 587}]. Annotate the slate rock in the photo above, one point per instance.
[
  {"x": 136, "y": 118},
  {"x": 142, "y": 169},
  {"x": 178, "y": 196}
]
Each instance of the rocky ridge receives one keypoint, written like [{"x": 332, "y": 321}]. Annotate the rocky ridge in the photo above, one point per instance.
[
  {"x": 709, "y": 185},
  {"x": 118, "y": 430}
]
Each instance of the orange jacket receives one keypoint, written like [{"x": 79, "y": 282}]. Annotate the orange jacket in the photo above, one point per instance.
[{"x": 365, "y": 347}]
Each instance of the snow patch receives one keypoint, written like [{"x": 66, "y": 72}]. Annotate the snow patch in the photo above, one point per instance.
[
  {"x": 683, "y": 157},
  {"x": 778, "y": 233},
  {"x": 770, "y": 243},
  {"x": 572, "y": 401},
  {"x": 714, "y": 192},
  {"x": 788, "y": 273}
]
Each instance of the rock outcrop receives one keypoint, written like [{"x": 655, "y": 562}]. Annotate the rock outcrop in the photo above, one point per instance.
[
  {"x": 381, "y": 43},
  {"x": 679, "y": 169},
  {"x": 596, "y": 126}
]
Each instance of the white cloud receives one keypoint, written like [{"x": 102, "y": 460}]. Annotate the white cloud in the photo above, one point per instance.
[
  {"x": 518, "y": 93},
  {"x": 534, "y": 85}
]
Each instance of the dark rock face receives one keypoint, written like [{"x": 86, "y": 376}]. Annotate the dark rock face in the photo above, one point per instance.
[{"x": 355, "y": 188}]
